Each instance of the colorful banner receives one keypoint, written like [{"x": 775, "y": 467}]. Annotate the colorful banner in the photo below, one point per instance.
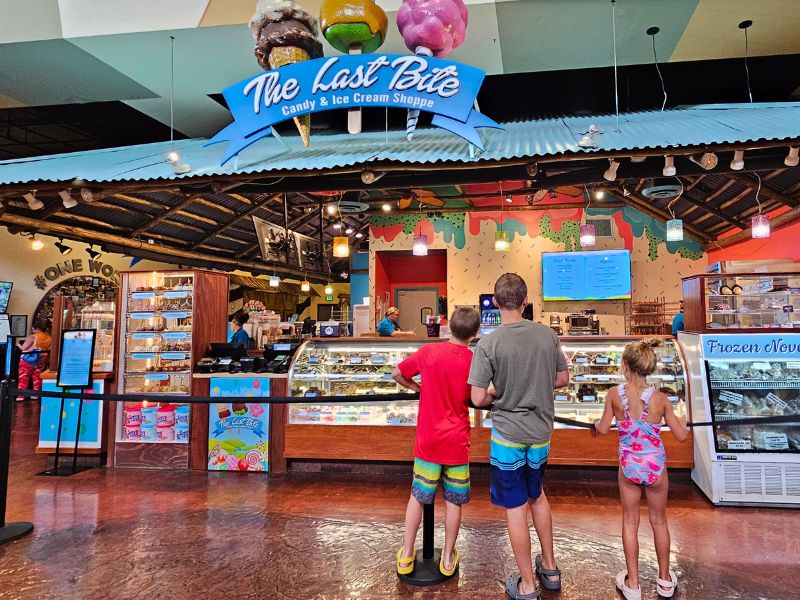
[
  {"x": 747, "y": 346},
  {"x": 238, "y": 438},
  {"x": 444, "y": 88}
]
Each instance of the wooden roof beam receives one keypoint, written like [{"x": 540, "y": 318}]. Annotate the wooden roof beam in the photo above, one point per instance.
[
  {"x": 246, "y": 214},
  {"x": 787, "y": 218},
  {"x": 767, "y": 192}
]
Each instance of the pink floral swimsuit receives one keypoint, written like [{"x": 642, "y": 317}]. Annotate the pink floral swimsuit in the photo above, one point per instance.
[{"x": 641, "y": 451}]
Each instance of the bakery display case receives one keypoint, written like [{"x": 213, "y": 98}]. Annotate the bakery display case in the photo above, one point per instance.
[
  {"x": 101, "y": 317},
  {"x": 166, "y": 321},
  {"x": 754, "y": 377},
  {"x": 735, "y": 301}
]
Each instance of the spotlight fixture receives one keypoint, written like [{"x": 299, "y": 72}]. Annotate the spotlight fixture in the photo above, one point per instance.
[
  {"x": 359, "y": 235},
  {"x": 181, "y": 169},
  {"x": 67, "y": 200},
  {"x": 274, "y": 280},
  {"x": 588, "y": 235},
  {"x": 331, "y": 209},
  {"x": 62, "y": 247},
  {"x": 328, "y": 289},
  {"x": 420, "y": 247},
  {"x": 625, "y": 191},
  {"x": 343, "y": 275},
  {"x": 501, "y": 243},
  {"x": 33, "y": 202},
  {"x": 532, "y": 169},
  {"x": 36, "y": 244},
  {"x": 737, "y": 164},
  {"x": 341, "y": 247},
  {"x": 509, "y": 199},
  {"x": 759, "y": 226},
  {"x": 349, "y": 230},
  {"x": 588, "y": 139},
  {"x": 305, "y": 286},
  {"x": 337, "y": 225},
  {"x": 370, "y": 177},
  {"x": 708, "y": 160},
  {"x": 386, "y": 207},
  {"x": 669, "y": 167},
  {"x": 793, "y": 158},
  {"x": 93, "y": 254},
  {"x": 611, "y": 171},
  {"x": 87, "y": 195},
  {"x": 599, "y": 194},
  {"x": 638, "y": 159}
]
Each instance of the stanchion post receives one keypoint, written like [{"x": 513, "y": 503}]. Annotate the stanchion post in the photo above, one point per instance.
[
  {"x": 8, "y": 531},
  {"x": 426, "y": 562}
]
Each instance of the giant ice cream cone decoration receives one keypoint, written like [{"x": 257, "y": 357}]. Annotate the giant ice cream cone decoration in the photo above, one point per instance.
[
  {"x": 431, "y": 28},
  {"x": 285, "y": 34},
  {"x": 353, "y": 27}
]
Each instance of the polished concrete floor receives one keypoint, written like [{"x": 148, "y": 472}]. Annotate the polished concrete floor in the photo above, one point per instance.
[{"x": 173, "y": 535}]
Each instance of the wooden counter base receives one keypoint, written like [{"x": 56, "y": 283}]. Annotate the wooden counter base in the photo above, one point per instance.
[{"x": 363, "y": 442}]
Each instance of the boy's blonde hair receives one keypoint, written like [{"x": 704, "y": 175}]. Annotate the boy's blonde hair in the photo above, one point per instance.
[{"x": 640, "y": 358}]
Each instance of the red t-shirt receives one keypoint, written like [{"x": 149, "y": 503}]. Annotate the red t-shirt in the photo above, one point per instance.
[{"x": 443, "y": 427}]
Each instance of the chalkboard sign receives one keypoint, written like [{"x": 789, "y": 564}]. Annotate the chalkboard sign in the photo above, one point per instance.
[{"x": 76, "y": 358}]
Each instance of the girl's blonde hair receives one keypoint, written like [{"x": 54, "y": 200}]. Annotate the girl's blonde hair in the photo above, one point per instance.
[{"x": 640, "y": 358}]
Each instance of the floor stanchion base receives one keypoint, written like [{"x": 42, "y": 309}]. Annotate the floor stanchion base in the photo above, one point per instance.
[
  {"x": 426, "y": 571},
  {"x": 14, "y": 531},
  {"x": 63, "y": 471}
]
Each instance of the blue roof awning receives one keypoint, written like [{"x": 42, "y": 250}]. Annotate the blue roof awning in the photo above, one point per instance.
[{"x": 705, "y": 125}]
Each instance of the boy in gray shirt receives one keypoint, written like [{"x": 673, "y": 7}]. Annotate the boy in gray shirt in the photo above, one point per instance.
[{"x": 525, "y": 363}]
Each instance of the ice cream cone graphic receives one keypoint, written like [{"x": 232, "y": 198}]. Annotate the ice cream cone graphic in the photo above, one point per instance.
[{"x": 285, "y": 34}]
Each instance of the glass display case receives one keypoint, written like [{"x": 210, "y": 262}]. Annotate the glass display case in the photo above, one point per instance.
[
  {"x": 100, "y": 316},
  {"x": 342, "y": 367},
  {"x": 156, "y": 355},
  {"x": 595, "y": 366},
  {"x": 755, "y": 388},
  {"x": 742, "y": 301}
]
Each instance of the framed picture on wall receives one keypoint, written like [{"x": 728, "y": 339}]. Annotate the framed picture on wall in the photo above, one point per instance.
[{"x": 19, "y": 325}]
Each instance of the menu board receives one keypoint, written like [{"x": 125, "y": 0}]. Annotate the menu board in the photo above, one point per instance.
[
  {"x": 75, "y": 358},
  {"x": 600, "y": 275}
]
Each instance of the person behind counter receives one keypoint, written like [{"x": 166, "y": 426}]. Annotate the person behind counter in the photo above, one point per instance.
[
  {"x": 389, "y": 327},
  {"x": 677, "y": 322},
  {"x": 35, "y": 357},
  {"x": 240, "y": 336}
]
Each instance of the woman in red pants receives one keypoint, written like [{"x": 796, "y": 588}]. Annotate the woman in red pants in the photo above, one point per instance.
[{"x": 35, "y": 357}]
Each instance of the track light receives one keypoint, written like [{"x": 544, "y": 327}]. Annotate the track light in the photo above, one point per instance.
[
  {"x": 343, "y": 275},
  {"x": 386, "y": 207},
  {"x": 359, "y": 235},
  {"x": 532, "y": 169},
  {"x": 349, "y": 230},
  {"x": 611, "y": 171},
  {"x": 708, "y": 160},
  {"x": 274, "y": 281},
  {"x": 509, "y": 199},
  {"x": 87, "y": 195},
  {"x": 331, "y": 209},
  {"x": 638, "y": 159},
  {"x": 93, "y": 254},
  {"x": 793, "y": 158},
  {"x": 625, "y": 191},
  {"x": 369, "y": 177},
  {"x": 588, "y": 141},
  {"x": 67, "y": 200},
  {"x": 599, "y": 194},
  {"x": 33, "y": 202},
  {"x": 63, "y": 248},
  {"x": 36, "y": 244},
  {"x": 737, "y": 164},
  {"x": 669, "y": 167},
  {"x": 337, "y": 225}
]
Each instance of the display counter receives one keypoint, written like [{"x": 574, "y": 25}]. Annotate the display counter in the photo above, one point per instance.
[{"x": 377, "y": 431}]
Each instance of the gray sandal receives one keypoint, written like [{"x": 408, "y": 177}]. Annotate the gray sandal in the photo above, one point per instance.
[
  {"x": 545, "y": 574},
  {"x": 512, "y": 589}
]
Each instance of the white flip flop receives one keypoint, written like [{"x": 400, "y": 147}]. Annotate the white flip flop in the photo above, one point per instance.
[
  {"x": 666, "y": 589},
  {"x": 627, "y": 593}
]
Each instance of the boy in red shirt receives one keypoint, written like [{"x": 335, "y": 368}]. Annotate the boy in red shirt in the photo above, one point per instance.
[{"x": 441, "y": 451}]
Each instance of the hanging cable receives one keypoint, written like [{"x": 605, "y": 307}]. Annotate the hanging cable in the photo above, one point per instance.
[
  {"x": 675, "y": 199},
  {"x": 652, "y": 31},
  {"x": 172, "y": 92},
  {"x": 614, "y": 37},
  {"x": 758, "y": 191},
  {"x": 746, "y": 25}
]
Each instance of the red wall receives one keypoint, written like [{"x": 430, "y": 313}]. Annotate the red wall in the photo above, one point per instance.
[
  {"x": 783, "y": 243},
  {"x": 398, "y": 270}
]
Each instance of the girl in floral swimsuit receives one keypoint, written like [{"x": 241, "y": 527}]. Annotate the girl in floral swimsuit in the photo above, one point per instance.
[{"x": 639, "y": 411}]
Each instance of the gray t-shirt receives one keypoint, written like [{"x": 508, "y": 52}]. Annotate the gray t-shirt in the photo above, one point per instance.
[{"x": 522, "y": 360}]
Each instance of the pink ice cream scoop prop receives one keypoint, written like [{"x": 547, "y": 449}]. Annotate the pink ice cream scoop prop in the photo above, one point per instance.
[{"x": 431, "y": 28}]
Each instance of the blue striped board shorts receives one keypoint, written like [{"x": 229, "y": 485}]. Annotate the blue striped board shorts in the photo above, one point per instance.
[
  {"x": 454, "y": 478},
  {"x": 517, "y": 471}
]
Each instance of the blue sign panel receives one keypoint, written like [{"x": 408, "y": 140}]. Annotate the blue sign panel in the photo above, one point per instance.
[
  {"x": 90, "y": 435},
  {"x": 444, "y": 88},
  {"x": 737, "y": 345}
]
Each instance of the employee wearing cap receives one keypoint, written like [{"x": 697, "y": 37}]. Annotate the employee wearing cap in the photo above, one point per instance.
[{"x": 389, "y": 327}]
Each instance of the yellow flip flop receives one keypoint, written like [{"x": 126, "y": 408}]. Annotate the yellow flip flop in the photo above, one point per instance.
[
  {"x": 449, "y": 572},
  {"x": 405, "y": 565}
]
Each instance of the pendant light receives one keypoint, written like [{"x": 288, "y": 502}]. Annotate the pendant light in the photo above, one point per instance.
[
  {"x": 675, "y": 226},
  {"x": 328, "y": 289},
  {"x": 420, "y": 245},
  {"x": 759, "y": 223},
  {"x": 501, "y": 241},
  {"x": 274, "y": 280},
  {"x": 587, "y": 232},
  {"x": 341, "y": 244},
  {"x": 305, "y": 285}
]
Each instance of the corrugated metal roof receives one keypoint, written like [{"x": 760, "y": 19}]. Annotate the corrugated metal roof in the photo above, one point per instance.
[{"x": 680, "y": 127}]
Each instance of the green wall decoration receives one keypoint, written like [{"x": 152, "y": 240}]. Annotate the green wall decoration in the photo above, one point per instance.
[{"x": 570, "y": 234}]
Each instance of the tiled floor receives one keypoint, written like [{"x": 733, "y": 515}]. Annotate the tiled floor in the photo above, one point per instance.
[{"x": 149, "y": 535}]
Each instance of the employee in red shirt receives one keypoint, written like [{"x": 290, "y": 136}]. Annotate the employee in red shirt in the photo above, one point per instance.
[{"x": 441, "y": 451}]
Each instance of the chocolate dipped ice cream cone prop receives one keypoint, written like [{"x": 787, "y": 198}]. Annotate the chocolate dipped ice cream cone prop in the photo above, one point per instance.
[{"x": 285, "y": 34}]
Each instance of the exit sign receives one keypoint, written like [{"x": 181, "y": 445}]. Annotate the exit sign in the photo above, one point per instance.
[{"x": 328, "y": 298}]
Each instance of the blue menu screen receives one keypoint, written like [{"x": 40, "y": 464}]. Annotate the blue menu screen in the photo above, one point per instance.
[{"x": 600, "y": 275}]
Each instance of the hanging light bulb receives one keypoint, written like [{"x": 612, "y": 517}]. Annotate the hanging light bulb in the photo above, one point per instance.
[
  {"x": 793, "y": 158},
  {"x": 420, "y": 247},
  {"x": 599, "y": 194},
  {"x": 588, "y": 235},
  {"x": 759, "y": 226},
  {"x": 274, "y": 281},
  {"x": 305, "y": 286},
  {"x": 341, "y": 247},
  {"x": 337, "y": 226},
  {"x": 674, "y": 230},
  {"x": 737, "y": 164},
  {"x": 359, "y": 235},
  {"x": 349, "y": 230},
  {"x": 36, "y": 244},
  {"x": 669, "y": 167},
  {"x": 501, "y": 243},
  {"x": 386, "y": 207},
  {"x": 328, "y": 289},
  {"x": 331, "y": 209},
  {"x": 611, "y": 171}
]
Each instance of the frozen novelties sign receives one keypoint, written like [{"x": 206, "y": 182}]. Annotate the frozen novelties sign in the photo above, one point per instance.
[{"x": 446, "y": 89}]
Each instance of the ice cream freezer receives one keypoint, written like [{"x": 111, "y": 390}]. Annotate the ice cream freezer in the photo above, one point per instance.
[
  {"x": 384, "y": 431},
  {"x": 754, "y": 376}
]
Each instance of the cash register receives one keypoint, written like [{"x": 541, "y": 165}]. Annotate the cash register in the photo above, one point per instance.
[
  {"x": 278, "y": 356},
  {"x": 222, "y": 358}
]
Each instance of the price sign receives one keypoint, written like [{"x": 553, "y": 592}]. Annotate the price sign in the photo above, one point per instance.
[
  {"x": 739, "y": 445},
  {"x": 76, "y": 357},
  {"x": 156, "y": 377},
  {"x": 667, "y": 360},
  {"x": 143, "y": 295},
  {"x": 142, "y": 355},
  {"x": 604, "y": 378},
  {"x": 793, "y": 365},
  {"x": 777, "y": 401},
  {"x": 582, "y": 360},
  {"x": 580, "y": 378},
  {"x": 173, "y": 356},
  {"x": 175, "y": 294},
  {"x": 601, "y": 360},
  {"x": 588, "y": 398},
  {"x": 141, "y": 316},
  {"x": 776, "y": 441},
  {"x": 731, "y": 397},
  {"x": 562, "y": 398},
  {"x": 762, "y": 366},
  {"x": 674, "y": 399},
  {"x": 143, "y": 336},
  {"x": 175, "y": 315},
  {"x": 174, "y": 335},
  {"x": 355, "y": 360}
]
